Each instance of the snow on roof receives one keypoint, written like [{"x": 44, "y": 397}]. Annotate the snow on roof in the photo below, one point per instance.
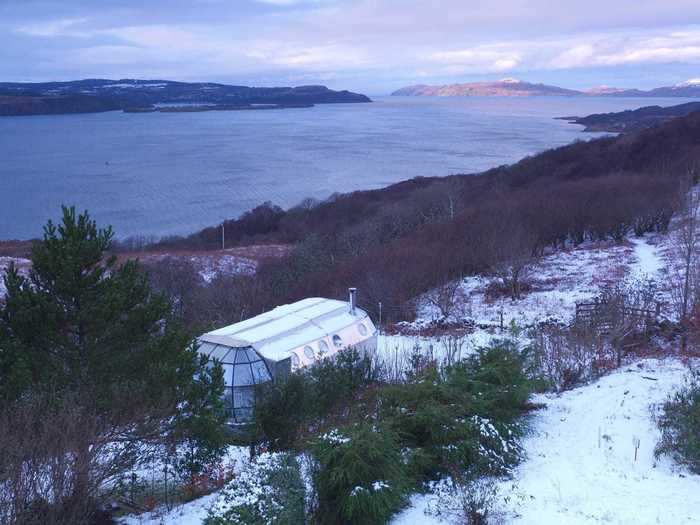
[{"x": 273, "y": 334}]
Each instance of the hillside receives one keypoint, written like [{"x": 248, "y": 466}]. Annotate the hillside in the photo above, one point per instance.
[
  {"x": 632, "y": 120},
  {"x": 517, "y": 88},
  {"x": 85, "y": 96}
]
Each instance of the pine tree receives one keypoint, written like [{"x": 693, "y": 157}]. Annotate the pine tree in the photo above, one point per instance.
[{"x": 85, "y": 330}]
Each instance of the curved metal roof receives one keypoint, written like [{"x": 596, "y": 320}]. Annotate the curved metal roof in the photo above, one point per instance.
[{"x": 275, "y": 333}]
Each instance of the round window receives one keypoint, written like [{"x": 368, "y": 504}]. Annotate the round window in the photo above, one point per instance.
[
  {"x": 323, "y": 346},
  {"x": 362, "y": 329},
  {"x": 309, "y": 352},
  {"x": 295, "y": 360},
  {"x": 337, "y": 341}
]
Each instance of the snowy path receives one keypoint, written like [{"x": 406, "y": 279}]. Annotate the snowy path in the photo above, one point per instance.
[
  {"x": 648, "y": 261},
  {"x": 570, "y": 479}
]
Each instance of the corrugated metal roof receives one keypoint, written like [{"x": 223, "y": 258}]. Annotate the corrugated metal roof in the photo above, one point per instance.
[{"x": 274, "y": 333}]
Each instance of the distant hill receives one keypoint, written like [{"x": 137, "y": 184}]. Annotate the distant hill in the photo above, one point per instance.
[
  {"x": 517, "y": 88},
  {"x": 504, "y": 88},
  {"x": 690, "y": 89},
  {"x": 19, "y": 98},
  {"x": 632, "y": 120}
]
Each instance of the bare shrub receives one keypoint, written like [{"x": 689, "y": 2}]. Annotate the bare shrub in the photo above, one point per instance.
[
  {"x": 512, "y": 252},
  {"x": 178, "y": 279},
  {"x": 565, "y": 357},
  {"x": 625, "y": 313},
  {"x": 45, "y": 477},
  {"x": 684, "y": 276},
  {"x": 452, "y": 345},
  {"x": 450, "y": 299}
]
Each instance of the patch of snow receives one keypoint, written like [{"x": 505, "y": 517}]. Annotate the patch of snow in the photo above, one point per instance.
[
  {"x": 689, "y": 82},
  {"x": 191, "y": 513},
  {"x": 210, "y": 267},
  {"x": 648, "y": 262},
  {"x": 135, "y": 85},
  {"x": 335, "y": 438}
]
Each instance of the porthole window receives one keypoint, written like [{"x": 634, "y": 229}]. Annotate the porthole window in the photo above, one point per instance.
[
  {"x": 323, "y": 346},
  {"x": 295, "y": 360},
  {"x": 337, "y": 341},
  {"x": 362, "y": 329},
  {"x": 309, "y": 352}
]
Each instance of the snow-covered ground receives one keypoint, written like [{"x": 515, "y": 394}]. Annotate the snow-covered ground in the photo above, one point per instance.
[
  {"x": 560, "y": 280},
  {"x": 581, "y": 468},
  {"x": 210, "y": 265},
  {"x": 190, "y": 513}
]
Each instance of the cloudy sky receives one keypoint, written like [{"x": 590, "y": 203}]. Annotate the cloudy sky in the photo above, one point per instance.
[{"x": 373, "y": 46}]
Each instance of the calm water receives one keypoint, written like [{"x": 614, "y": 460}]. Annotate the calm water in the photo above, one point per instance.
[{"x": 158, "y": 173}]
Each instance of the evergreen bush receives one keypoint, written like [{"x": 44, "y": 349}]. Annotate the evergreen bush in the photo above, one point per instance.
[
  {"x": 268, "y": 490},
  {"x": 360, "y": 476},
  {"x": 310, "y": 396},
  {"x": 463, "y": 417},
  {"x": 679, "y": 423}
]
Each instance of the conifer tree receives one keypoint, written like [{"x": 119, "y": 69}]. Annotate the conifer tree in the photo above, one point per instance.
[{"x": 85, "y": 330}]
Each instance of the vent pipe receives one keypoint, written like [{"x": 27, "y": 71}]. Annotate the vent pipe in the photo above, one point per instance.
[{"x": 353, "y": 299}]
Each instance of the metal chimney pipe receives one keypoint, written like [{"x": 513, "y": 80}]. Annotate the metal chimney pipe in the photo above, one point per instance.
[{"x": 353, "y": 299}]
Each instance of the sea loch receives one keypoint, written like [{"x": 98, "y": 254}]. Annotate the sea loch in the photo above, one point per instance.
[{"x": 159, "y": 173}]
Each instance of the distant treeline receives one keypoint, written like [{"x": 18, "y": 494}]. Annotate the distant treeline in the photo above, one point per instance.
[{"x": 398, "y": 242}]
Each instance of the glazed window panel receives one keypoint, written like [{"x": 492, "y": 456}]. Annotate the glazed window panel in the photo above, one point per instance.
[
  {"x": 243, "y": 414},
  {"x": 242, "y": 375},
  {"x": 221, "y": 353},
  {"x": 242, "y": 356},
  {"x": 243, "y": 397},
  {"x": 228, "y": 398},
  {"x": 260, "y": 373},
  {"x": 228, "y": 374},
  {"x": 206, "y": 348},
  {"x": 252, "y": 355}
]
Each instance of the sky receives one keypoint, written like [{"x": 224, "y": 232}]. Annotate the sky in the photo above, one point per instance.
[{"x": 370, "y": 46}]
